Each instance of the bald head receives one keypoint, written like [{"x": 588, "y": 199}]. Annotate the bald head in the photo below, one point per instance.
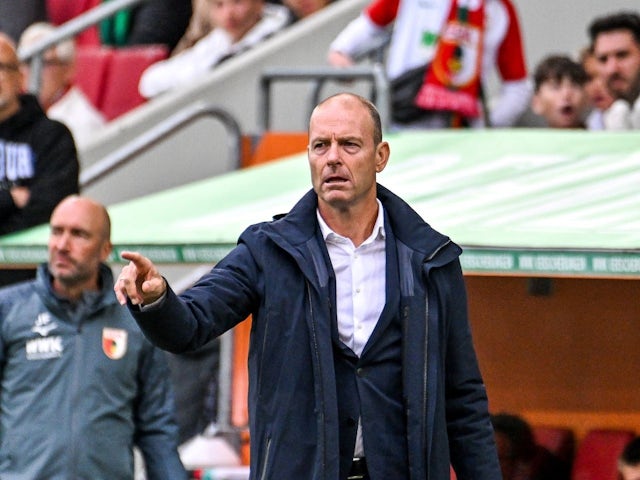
[
  {"x": 351, "y": 99},
  {"x": 85, "y": 210}
]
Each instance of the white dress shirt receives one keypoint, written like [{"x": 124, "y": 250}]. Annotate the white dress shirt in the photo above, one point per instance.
[{"x": 360, "y": 288}]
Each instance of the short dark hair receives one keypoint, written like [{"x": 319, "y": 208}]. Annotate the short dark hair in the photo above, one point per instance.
[
  {"x": 625, "y": 20},
  {"x": 522, "y": 444},
  {"x": 557, "y": 67},
  {"x": 631, "y": 453}
]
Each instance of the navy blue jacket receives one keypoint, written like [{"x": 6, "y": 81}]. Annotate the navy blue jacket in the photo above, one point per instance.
[{"x": 278, "y": 274}]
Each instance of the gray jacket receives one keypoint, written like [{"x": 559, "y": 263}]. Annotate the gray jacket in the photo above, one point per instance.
[{"x": 80, "y": 386}]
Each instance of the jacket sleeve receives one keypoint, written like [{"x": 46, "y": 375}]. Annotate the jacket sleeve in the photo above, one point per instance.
[
  {"x": 358, "y": 37},
  {"x": 56, "y": 177},
  {"x": 7, "y": 207},
  {"x": 516, "y": 90},
  {"x": 220, "y": 300},
  {"x": 471, "y": 441},
  {"x": 156, "y": 431}
]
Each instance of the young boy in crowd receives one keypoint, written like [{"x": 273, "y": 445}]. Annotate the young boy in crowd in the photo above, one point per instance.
[{"x": 559, "y": 96}]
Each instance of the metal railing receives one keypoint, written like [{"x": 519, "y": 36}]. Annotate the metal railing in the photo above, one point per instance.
[
  {"x": 33, "y": 54},
  {"x": 162, "y": 131},
  {"x": 319, "y": 76}
]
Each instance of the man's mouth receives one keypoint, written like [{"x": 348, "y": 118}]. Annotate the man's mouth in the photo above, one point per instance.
[{"x": 334, "y": 180}]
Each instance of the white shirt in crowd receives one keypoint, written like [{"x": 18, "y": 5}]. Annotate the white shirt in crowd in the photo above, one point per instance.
[
  {"x": 191, "y": 63},
  {"x": 76, "y": 111}
]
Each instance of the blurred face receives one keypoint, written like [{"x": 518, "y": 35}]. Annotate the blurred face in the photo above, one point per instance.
[
  {"x": 304, "y": 8},
  {"x": 343, "y": 157},
  {"x": 236, "y": 17},
  {"x": 628, "y": 472},
  {"x": 10, "y": 81},
  {"x": 618, "y": 55},
  {"x": 56, "y": 77},
  {"x": 595, "y": 88},
  {"x": 562, "y": 103},
  {"x": 78, "y": 242}
]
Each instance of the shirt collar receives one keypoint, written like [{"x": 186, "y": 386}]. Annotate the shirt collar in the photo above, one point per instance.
[{"x": 377, "y": 233}]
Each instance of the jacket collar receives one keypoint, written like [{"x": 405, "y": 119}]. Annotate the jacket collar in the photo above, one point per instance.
[{"x": 300, "y": 224}]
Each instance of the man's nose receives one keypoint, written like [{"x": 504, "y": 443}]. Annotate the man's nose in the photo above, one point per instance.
[
  {"x": 333, "y": 154},
  {"x": 62, "y": 241}
]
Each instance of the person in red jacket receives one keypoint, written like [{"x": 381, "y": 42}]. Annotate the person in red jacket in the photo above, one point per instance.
[{"x": 462, "y": 42}]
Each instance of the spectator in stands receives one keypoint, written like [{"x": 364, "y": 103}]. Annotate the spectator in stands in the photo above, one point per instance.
[
  {"x": 58, "y": 95},
  {"x": 152, "y": 22},
  {"x": 80, "y": 384},
  {"x": 16, "y": 15},
  {"x": 200, "y": 25},
  {"x": 201, "y": 22},
  {"x": 38, "y": 160},
  {"x": 629, "y": 462},
  {"x": 559, "y": 95},
  {"x": 303, "y": 8},
  {"x": 240, "y": 25},
  {"x": 520, "y": 457},
  {"x": 453, "y": 89},
  {"x": 600, "y": 99},
  {"x": 339, "y": 382},
  {"x": 616, "y": 45}
]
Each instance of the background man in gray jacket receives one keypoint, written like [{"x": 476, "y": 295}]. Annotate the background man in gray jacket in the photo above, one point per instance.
[{"x": 80, "y": 385}]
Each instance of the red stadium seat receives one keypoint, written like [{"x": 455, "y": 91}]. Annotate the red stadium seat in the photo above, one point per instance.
[
  {"x": 597, "y": 454},
  {"x": 560, "y": 441},
  {"x": 61, "y": 11},
  {"x": 92, "y": 65},
  {"x": 121, "y": 86}
]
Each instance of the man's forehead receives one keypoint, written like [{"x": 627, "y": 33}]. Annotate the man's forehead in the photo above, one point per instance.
[
  {"x": 340, "y": 118},
  {"x": 615, "y": 40}
]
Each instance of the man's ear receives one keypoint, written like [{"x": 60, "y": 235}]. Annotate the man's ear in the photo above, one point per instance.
[
  {"x": 105, "y": 251},
  {"x": 382, "y": 156}
]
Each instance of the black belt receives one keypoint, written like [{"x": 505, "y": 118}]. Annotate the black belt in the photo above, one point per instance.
[{"x": 358, "y": 470}]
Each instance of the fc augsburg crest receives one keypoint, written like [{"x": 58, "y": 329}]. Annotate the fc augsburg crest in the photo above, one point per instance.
[{"x": 114, "y": 342}]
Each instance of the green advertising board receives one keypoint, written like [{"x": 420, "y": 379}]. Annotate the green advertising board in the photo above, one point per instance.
[{"x": 521, "y": 202}]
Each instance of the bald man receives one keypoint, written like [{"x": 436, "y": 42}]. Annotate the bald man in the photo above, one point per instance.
[
  {"x": 80, "y": 385},
  {"x": 361, "y": 361}
]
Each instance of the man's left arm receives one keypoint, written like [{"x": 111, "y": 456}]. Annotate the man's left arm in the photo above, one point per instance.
[
  {"x": 471, "y": 440},
  {"x": 156, "y": 430},
  {"x": 516, "y": 89},
  {"x": 56, "y": 174}
]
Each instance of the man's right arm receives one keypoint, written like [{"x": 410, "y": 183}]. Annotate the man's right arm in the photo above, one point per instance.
[{"x": 220, "y": 300}]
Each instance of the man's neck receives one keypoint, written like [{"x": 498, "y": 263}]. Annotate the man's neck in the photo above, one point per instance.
[
  {"x": 354, "y": 224},
  {"x": 73, "y": 293}
]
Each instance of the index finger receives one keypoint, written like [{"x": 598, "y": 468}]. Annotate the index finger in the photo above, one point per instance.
[{"x": 135, "y": 257}]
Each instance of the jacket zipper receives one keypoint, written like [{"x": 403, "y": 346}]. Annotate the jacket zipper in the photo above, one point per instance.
[
  {"x": 266, "y": 460},
  {"x": 315, "y": 351},
  {"x": 78, "y": 354},
  {"x": 425, "y": 393}
]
